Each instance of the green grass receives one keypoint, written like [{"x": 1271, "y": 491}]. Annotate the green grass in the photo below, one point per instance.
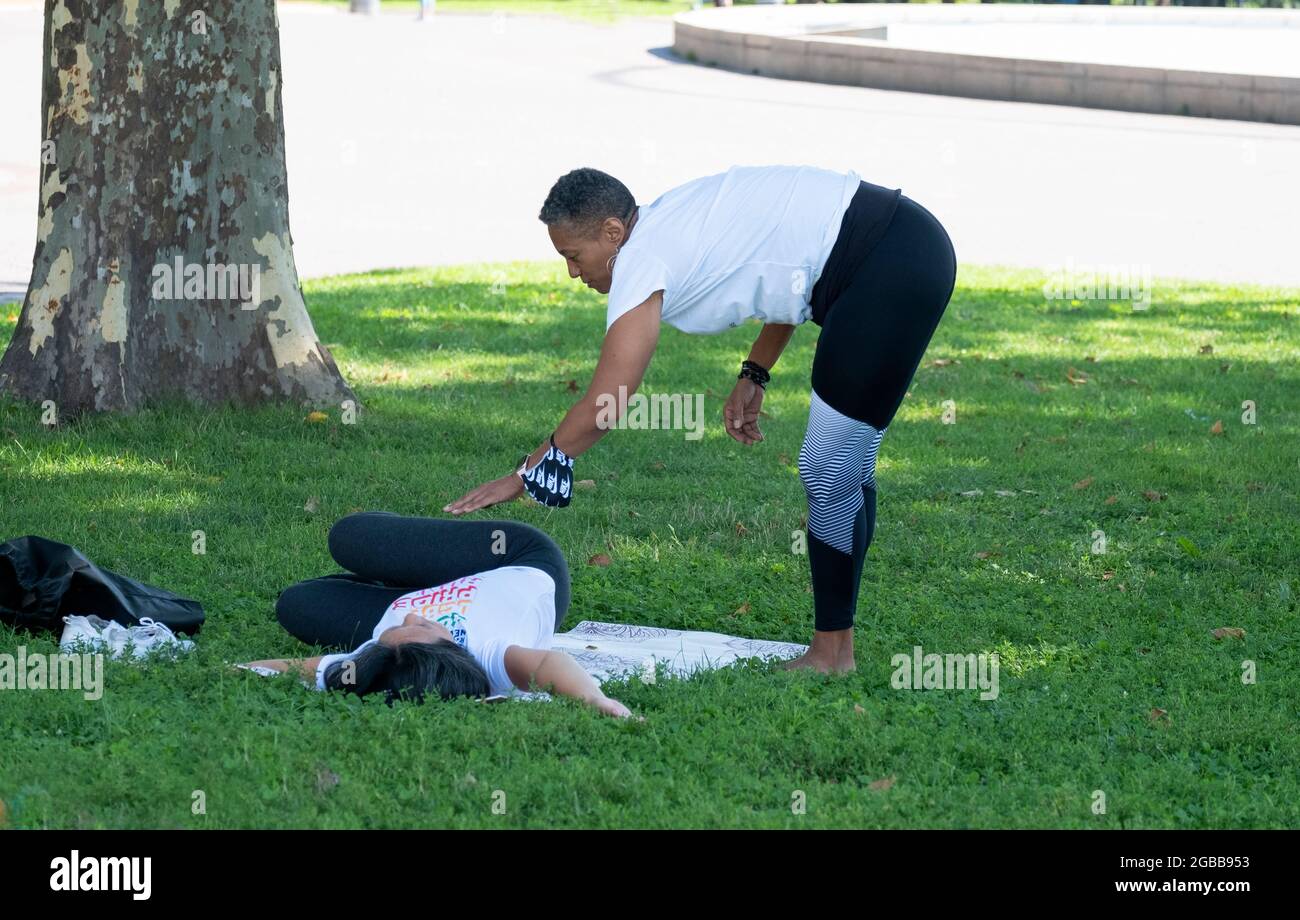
[
  {"x": 458, "y": 381},
  {"x": 592, "y": 10}
]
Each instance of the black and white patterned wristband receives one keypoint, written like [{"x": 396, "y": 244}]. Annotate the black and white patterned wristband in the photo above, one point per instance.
[{"x": 550, "y": 481}]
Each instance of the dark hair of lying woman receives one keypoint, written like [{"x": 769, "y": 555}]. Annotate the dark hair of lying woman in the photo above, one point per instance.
[{"x": 409, "y": 671}]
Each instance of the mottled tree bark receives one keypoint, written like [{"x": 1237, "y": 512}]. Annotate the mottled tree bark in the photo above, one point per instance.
[{"x": 162, "y": 187}]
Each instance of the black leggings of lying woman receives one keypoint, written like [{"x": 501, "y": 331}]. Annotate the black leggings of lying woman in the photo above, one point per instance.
[{"x": 430, "y": 605}]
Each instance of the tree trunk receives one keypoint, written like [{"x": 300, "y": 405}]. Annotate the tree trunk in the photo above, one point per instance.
[{"x": 164, "y": 264}]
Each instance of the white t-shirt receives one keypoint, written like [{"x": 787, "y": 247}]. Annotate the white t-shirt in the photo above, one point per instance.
[
  {"x": 750, "y": 242},
  {"x": 485, "y": 613}
]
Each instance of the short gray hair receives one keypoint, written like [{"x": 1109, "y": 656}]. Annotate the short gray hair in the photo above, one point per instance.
[{"x": 584, "y": 198}]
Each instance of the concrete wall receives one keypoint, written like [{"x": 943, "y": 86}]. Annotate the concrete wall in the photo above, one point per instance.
[{"x": 795, "y": 42}]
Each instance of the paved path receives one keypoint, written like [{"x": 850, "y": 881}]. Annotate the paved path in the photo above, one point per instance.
[{"x": 416, "y": 144}]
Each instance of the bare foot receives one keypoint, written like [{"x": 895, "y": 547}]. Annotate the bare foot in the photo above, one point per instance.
[
  {"x": 831, "y": 652},
  {"x": 819, "y": 664}
]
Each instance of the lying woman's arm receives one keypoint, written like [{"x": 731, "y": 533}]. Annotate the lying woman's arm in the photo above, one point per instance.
[
  {"x": 305, "y": 666},
  {"x": 556, "y": 672}
]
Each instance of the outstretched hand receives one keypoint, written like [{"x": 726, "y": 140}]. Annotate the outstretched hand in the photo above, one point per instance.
[
  {"x": 490, "y": 493},
  {"x": 612, "y": 707},
  {"x": 740, "y": 414}
]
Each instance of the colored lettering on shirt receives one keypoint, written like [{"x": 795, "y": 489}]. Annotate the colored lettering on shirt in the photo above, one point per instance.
[{"x": 448, "y": 604}]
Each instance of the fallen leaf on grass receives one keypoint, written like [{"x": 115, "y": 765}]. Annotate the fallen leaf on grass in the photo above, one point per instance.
[
  {"x": 943, "y": 362},
  {"x": 585, "y": 484},
  {"x": 742, "y": 609},
  {"x": 972, "y": 492},
  {"x": 572, "y": 386},
  {"x": 599, "y": 559},
  {"x": 741, "y": 529},
  {"x": 1229, "y": 632},
  {"x": 1083, "y": 483},
  {"x": 317, "y": 417},
  {"x": 1207, "y": 349},
  {"x": 326, "y": 780},
  {"x": 312, "y": 506},
  {"x": 1111, "y": 499},
  {"x": 881, "y": 785},
  {"x": 857, "y": 707},
  {"x": 1158, "y": 714},
  {"x": 1107, "y": 575},
  {"x": 658, "y": 465},
  {"x": 987, "y": 554},
  {"x": 1152, "y": 495},
  {"x": 1217, "y": 427},
  {"x": 1075, "y": 377}
]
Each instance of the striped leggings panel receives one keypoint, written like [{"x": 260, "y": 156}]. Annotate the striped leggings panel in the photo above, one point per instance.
[{"x": 836, "y": 462}]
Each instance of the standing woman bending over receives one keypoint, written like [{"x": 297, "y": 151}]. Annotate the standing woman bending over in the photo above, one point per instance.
[{"x": 784, "y": 245}]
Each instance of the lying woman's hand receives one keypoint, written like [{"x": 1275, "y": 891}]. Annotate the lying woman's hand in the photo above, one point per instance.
[
  {"x": 272, "y": 664},
  {"x": 612, "y": 707},
  {"x": 490, "y": 493}
]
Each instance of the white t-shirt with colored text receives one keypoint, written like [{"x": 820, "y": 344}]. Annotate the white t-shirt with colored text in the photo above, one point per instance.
[{"x": 485, "y": 613}]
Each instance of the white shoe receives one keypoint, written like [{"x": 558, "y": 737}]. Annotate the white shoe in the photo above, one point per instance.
[
  {"x": 150, "y": 635},
  {"x": 79, "y": 628},
  {"x": 96, "y": 634},
  {"x": 92, "y": 633}
]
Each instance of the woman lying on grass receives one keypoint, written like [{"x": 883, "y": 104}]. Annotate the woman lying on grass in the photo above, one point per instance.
[{"x": 458, "y": 608}]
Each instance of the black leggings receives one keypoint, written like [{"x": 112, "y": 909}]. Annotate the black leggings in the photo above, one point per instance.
[
  {"x": 388, "y": 555},
  {"x": 873, "y": 338}
]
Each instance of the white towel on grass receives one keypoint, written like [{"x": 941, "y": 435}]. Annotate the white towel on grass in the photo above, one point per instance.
[{"x": 609, "y": 651}]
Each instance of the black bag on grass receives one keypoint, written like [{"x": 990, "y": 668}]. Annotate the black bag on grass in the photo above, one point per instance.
[{"x": 41, "y": 581}]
